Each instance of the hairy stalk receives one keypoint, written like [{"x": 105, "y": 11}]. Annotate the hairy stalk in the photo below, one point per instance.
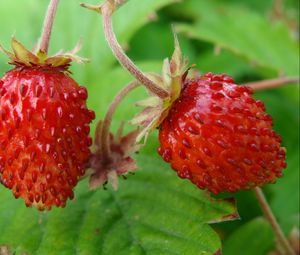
[
  {"x": 124, "y": 60},
  {"x": 48, "y": 23},
  {"x": 283, "y": 242},
  {"x": 105, "y": 140},
  {"x": 273, "y": 83}
]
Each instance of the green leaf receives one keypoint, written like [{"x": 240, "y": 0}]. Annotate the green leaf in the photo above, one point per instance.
[
  {"x": 190, "y": 8},
  {"x": 255, "y": 237},
  {"x": 246, "y": 33},
  {"x": 153, "y": 212}
]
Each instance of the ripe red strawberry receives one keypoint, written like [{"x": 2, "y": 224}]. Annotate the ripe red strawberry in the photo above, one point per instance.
[
  {"x": 218, "y": 136},
  {"x": 44, "y": 133}
]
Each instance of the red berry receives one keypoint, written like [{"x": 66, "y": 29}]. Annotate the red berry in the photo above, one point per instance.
[
  {"x": 44, "y": 142},
  {"x": 218, "y": 136}
]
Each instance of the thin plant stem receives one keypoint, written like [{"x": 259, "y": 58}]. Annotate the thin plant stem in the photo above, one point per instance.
[
  {"x": 272, "y": 83},
  {"x": 282, "y": 241},
  {"x": 48, "y": 24},
  {"x": 124, "y": 60},
  {"x": 105, "y": 130}
]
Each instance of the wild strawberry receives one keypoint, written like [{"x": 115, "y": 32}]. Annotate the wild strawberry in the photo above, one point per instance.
[
  {"x": 44, "y": 129},
  {"x": 218, "y": 136},
  {"x": 211, "y": 130}
]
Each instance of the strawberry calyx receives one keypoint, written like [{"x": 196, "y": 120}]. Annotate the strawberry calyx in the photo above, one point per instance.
[
  {"x": 120, "y": 161},
  {"x": 22, "y": 57},
  {"x": 156, "y": 109}
]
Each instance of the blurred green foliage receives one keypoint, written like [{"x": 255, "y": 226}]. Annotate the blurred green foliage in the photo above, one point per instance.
[{"x": 154, "y": 212}]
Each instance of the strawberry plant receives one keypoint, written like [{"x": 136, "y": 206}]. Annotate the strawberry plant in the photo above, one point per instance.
[{"x": 209, "y": 127}]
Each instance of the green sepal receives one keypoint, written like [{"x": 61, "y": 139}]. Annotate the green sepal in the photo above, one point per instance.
[
  {"x": 21, "y": 56},
  {"x": 157, "y": 109}
]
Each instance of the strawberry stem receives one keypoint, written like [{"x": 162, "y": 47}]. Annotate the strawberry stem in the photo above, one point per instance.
[
  {"x": 272, "y": 83},
  {"x": 48, "y": 24},
  {"x": 105, "y": 134},
  {"x": 283, "y": 242},
  {"x": 124, "y": 60}
]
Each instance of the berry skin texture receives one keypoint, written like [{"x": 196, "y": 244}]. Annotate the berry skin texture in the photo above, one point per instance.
[
  {"x": 220, "y": 137},
  {"x": 44, "y": 134}
]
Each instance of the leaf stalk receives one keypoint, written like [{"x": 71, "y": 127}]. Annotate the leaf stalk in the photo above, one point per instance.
[
  {"x": 272, "y": 83},
  {"x": 282, "y": 240}
]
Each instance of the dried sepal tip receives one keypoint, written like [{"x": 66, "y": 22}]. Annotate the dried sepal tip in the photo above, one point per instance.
[{"x": 120, "y": 161}]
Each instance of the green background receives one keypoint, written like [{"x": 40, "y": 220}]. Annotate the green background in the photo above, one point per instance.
[{"x": 154, "y": 212}]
